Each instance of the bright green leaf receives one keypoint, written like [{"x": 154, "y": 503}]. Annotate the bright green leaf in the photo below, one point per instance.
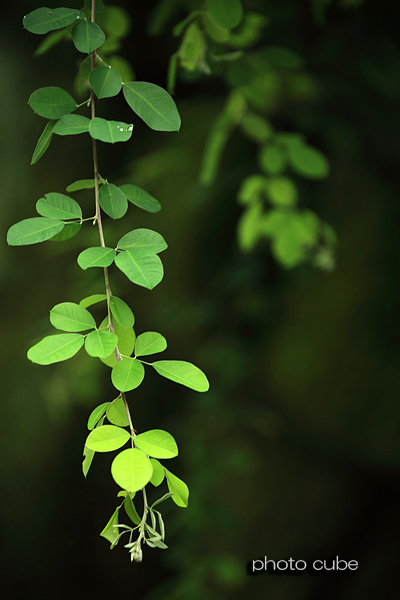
[
  {"x": 96, "y": 415},
  {"x": 158, "y": 472},
  {"x": 88, "y": 456},
  {"x": 150, "y": 342},
  {"x": 131, "y": 510},
  {"x": 157, "y": 443},
  {"x": 58, "y": 206},
  {"x": 52, "y": 102},
  {"x": 127, "y": 374},
  {"x": 55, "y": 348},
  {"x": 72, "y": 125},
  {"x": 153, "y": 105},
  {"x": 100, "y": 343},
  {"x": 227, "y": 13},
  {"x": 105, "y": 82},
  {"x": 121, "y": 312},
  {"x": 116, "y": 413},
  {"x": 68, "y": 231},
  {"x": 94, "y": 299},
  {"x": 81, "y": 184},
  {"x": 113, "y": 201},
  {"x": 96, "y": 257},
  {"x": 69, "y": 316},
  {"x": 33, "y": 231},
  {"x": 111, "y": 532},
  {"x": 110, "y": 131},
  {"x": 87, "y": 36},
  {"x": 42, "y": 20},
  {"x": 107, "y": 438},
  {"x": 131, "y": 469},
  {"x": 141, "y": 267},
  {"x": 43, "y": 142},
  {"x": 140, "y": 198},
  {"x": 184, "y": 373},
  {"x": 145, "y": 239},
  {"x": 178, "y": 488},
  {"x": 126, "y": 342}
]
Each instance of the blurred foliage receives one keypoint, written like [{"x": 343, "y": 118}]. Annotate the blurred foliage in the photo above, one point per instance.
[{"x": 295, "y": 451}]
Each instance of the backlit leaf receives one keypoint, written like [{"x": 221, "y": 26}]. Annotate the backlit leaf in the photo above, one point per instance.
[
  {"x": 158, "y": 472},
  {"x": 153, "y": 105},
  {"x": 140, "y": 198},
  {"x": 178, "y": 488},
  {"x": 94, "y": 299},
  {"x": 113, "y": 201},
  {"x": 42, "y": 20},
  {"x": 58, "y": 206},
  {"x": 67, "y": 232},
  {"x": 43, "y": 142},
  {"x": 145, "y": 239},
  {"x": 96, "y": 257},
  {"x": 127, "y": 374},
  {"x": 52, "y": 102},
  {"x": 227, "y": 13},
  {"x": 150, "y": 342},
  {"x": 121, "y": 312},
  {"x": 81, "y": 184},
  {"x": 87, "y": 460},
  {"x": 55, "y": 348},
  {"x": 100, "y": 343},
  {"x": 33, "y": 231},
  {"x": 107, "y": 438},
  {"x": 157, "y": 443},
  {"x": 105, "y": 82},
  {"x": 184, "y": 373},
  {"x": 141, "y": 267},
  {"x": 87, "y": 36},
  {"x": 131, "y": 510},
  {"x": 96, "y": 415},
  {"x": 72, "y": 125},
  {"x": 131, "y": 469},
  {"x": 69, "y": 316},
  {"x": 116, "y": 413},
  {"x": 110, "y": 131},
  {"x": 126, "y": 342},
  {"x": 111, "y": 532}
]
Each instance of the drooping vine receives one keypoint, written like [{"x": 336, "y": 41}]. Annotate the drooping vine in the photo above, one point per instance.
[{"x": 136, "y": 255}]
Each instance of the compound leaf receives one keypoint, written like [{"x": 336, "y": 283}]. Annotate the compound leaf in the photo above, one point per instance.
[
  {"x": 56, "y": 348},
  {"x": 153, "y": 105}
]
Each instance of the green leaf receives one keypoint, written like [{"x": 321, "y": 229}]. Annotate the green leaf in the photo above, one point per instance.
[
  {"x": 58, "y": 206},
  {"x": 68, "y": 231},
  {"x": 110, "y": 131},
  {"x": 163, "y": 498},
  {"x": 96, "y": 257},
  {"x": 52, "y": 102},
  {"x": 43, "y": 142},
  {"x": 150, "y": 342},
  {"x": 126, "y": 342},
  {"x": 131, "y": 510},
  {"x": 81, "y": 184},
  {"x": 117, "y": 21},
  {"x": 87, "y": 460},
  {"x": 87, "y": 36},
  {"x": 100, "y": 343},
  {"x": 158, "y": 473},
  {"x": 42, "y": 20},
  {"x": 113, "y": 201},
  {"x": 116, "y": 413},
  {"x": 33, "y": 231},
  {"x": 184, "y": 373},
  {"x": 94, "y": 299},
  {"x": 127, "y": 374},
  {"x": 140, "y": 198},
  {"x": 111, "y": 532},
  {"x": 121, "y": 312},
  {"x": 50, "y": 41},
  {"x": 72, "y": 125},
  {"x": 157, "y": 443},
  {"x": 55, "y": 348},
  {"x": 105, "y": 82},
  {"x": 69, "y": 316},
  {"x": 273, "y": 159},
  {"x": 308, "y": 161},
  {"x": 153, "y": 105},
  {"x": 107, "y": 438},
  {"x": 131, "y": 469},
  {"x": 227, "y": 13},
  {"x": 178, "y": 488},
  {"x": 145, "y": 239},
  {"x": 141, "y": 267},
  {"x": 96, "y": 415}
]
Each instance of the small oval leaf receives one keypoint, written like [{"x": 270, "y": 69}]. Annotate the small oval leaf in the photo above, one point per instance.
[
  {"x": 87, "y": 36},
  {"x": 184, "y": 373},
  {"x": 52, "y": 102},
  {"x": 69, "y": 316},
  {"x": 96, "y": 257},
  {"x": 131, "y": 470},
  {"x": 150, "y": 342},
  {"x": 113, "y": 201},
  {"x": 145, "y": 239},
  {"x": 100, "y": 343},
  {"x": 153, "y": 105},
  {"x": 127, "y": 374},
  {"x": 58, "y": 206},
  {"x": 141, "y": 267},
  {"x": 56, "y": 348},
  {"x": 105, "y": 82},
  {"x": 33, "y": 231},
  {"x": 157, "y": 443},
  {"x": 121, "y": 312},
  {"x": 140, "y": 198},
  {"x": 107, "y": 438},
  {"x": 110, "y": 131},
  {"x": 42, "y": 20}
]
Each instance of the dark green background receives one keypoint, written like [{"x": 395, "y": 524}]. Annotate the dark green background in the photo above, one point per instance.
[{"x": 295, "y": 451}]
